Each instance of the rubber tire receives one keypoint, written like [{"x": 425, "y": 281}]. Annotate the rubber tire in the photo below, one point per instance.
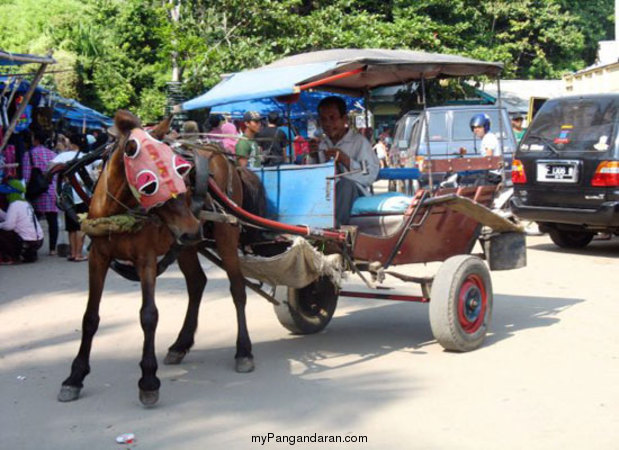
[
  {"x": 307, "y": 310},
  {"x": 570, "y": 239},
  {"x": 444, "y": 321}
]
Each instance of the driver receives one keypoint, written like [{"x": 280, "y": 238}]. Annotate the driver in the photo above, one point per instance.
[
  {"x": 349, "y": 150},
  {"x": 480, "y": 126}
]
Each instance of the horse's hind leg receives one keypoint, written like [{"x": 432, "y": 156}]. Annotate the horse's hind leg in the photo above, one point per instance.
[
  {"x": 97, "y": 270},
  {"x": 227, "y": 239},
  {"x": 149, "y": 316},
  {"x": 196, "y": 281}
]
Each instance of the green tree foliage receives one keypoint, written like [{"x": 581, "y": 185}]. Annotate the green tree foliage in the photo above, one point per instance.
[{"x": 120, "y": 51}]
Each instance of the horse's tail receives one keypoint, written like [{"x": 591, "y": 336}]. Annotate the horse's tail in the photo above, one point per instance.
[{"x": 254, "y": 201}]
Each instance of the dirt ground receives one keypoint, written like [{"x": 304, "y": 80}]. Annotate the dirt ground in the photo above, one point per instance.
[{"x": 545, "y": 378}]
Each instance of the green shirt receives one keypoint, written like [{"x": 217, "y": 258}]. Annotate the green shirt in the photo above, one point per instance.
[
  {"x": 519, "y": 134},
  {"x": 248, "y": 148}
]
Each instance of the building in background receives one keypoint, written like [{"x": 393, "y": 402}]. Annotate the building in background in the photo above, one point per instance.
[{"x": 603, "y": 76}]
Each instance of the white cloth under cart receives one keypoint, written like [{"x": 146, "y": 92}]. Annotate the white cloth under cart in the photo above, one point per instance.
[{"x": 297, "y": 267}]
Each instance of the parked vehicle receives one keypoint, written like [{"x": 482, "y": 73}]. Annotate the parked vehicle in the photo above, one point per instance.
[
  {"x": 449, "y": 133},
  {"x": 566, "y": 170}
]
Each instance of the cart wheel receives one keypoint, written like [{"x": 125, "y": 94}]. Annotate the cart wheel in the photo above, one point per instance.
[
  {"x": 461, "y": 303},
  {"x": 307, "y": 310}
]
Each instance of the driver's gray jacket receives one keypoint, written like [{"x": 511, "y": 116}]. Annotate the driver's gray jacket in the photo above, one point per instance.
[{"x": 358, "y": 149}]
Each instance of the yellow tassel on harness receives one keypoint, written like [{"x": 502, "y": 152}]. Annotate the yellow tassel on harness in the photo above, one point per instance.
[{"x": 104, "y": 226}]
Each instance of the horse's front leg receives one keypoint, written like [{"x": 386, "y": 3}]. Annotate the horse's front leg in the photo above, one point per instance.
[
  {"x": 227, "y": 240},
  {"x": 97, "y": 269},
  {"x": 196, "y": 281},
  {"x": 149, "y": 383}
]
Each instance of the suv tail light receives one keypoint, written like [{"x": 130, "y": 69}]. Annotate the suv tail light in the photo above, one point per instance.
[
  {"x": 606, "y": 175},
  {"x": 518, "y": 175}
]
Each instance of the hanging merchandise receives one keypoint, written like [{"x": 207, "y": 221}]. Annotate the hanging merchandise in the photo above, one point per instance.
[{"x": 25, "y": 119}]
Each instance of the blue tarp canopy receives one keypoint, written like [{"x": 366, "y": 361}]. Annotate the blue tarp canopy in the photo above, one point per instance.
[
  {"x": 76, "y": 114},
  {"x": 18, "y": 59},
  {"x": 23, "y": 84},
  {"x": 257, "y": 84},
  {"x": 70, "y": 110},
  {"x": 305, "y": 107}
]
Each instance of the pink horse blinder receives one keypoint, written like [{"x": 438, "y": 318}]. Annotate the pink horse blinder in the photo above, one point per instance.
[{"x": 155, "y": 173}]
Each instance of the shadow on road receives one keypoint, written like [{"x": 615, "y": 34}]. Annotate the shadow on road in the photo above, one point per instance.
[
  {"x": 307, "y": 383},
  {"x": 367, "y": 334},
  {"x": 513, "y": 313}
]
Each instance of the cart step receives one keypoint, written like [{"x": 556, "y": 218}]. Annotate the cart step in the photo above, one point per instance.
[{"x": 472, "y": 209}]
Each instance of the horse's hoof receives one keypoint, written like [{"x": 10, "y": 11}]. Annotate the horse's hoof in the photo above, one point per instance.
[
  {"x": 173, "y": 358},
  {"x": 68, "y": 393},
  {"x": 149, "y": 398},
  {"x": 244, "y": 364}
]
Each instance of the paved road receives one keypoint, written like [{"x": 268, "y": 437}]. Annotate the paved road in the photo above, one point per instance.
[{"x": 546, "y": 378}]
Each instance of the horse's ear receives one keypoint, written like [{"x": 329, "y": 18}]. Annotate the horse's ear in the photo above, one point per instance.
[
  {"x": 125, "y": 121},
  {"x": 162, "y": 128}
]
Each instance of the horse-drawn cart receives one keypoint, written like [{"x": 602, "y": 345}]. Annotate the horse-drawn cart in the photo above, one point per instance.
[{"x": 435, "y": 224}]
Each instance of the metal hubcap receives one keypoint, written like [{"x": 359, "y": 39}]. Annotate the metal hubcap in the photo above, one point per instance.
[{"x": 472, "y": 302}]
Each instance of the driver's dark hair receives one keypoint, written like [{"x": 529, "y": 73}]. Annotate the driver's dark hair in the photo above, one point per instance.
[{"x": 336, "y": 101}]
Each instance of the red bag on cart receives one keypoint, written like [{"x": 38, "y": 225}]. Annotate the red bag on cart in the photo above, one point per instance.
[{"x": 301, "y": 148}]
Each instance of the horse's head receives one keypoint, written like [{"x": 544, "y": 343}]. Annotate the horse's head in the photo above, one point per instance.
[{"x": 156, "y": 176}]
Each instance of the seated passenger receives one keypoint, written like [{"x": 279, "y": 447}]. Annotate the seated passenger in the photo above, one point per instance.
[
  {"x": 350, "y": 151},
  {"x": 272, "y": 141},
  {"x": 247, "y": 149}
]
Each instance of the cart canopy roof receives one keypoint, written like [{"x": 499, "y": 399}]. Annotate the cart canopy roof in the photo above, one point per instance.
[{"x": 350, "y": 71}]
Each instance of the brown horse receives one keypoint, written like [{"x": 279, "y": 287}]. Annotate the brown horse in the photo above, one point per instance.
[
  {"x": 164, "y": 225},
  {"x": 113, "y": 196}
]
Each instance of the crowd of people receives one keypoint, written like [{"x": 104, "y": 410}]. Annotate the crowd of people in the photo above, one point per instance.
[{"x": 21, "y": 234}]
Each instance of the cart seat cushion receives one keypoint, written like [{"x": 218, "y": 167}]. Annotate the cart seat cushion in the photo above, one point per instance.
[{"x": 387, "y": 203}]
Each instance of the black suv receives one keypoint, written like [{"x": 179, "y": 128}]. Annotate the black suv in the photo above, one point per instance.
[{"x": 566, "y": 169}]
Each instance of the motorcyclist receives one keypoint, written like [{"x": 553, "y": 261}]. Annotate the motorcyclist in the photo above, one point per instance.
[{"x": 480, "y": 126}]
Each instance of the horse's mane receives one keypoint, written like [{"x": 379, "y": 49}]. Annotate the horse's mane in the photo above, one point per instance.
[
  {"x": 125, "y": 121},
  {"x": 254, "y": 195}
]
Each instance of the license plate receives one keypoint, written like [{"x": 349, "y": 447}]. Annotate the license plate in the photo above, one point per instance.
[{"x": 557, "y": 171}]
